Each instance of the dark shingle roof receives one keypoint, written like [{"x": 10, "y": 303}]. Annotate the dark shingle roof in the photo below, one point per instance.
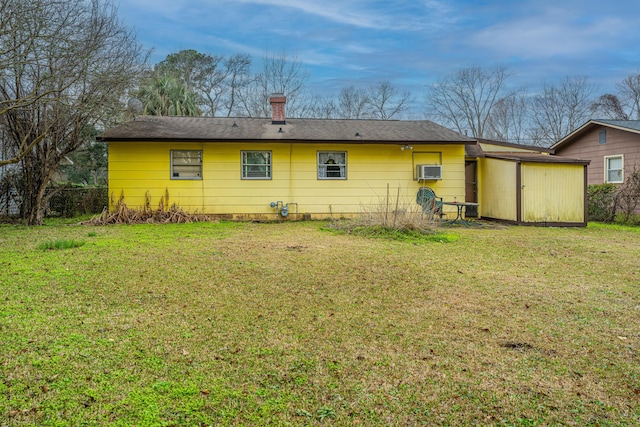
[
  {"x": 627, "y": 124},
  {"x": 153, "y": 128}
]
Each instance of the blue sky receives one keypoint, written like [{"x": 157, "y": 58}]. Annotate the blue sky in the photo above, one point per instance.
[{"x": 411, "y": 43}]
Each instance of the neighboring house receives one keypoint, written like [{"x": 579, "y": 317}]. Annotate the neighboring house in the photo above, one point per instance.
[
  {"x": 258, "y": 168},
  {"x": 612, "y": 147}
]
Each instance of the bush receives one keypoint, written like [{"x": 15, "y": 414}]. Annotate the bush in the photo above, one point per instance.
[
  {"x": 628, "y": 197},
  {"x": 71, "y": 202},
  {"x": 602, "y": 200}
]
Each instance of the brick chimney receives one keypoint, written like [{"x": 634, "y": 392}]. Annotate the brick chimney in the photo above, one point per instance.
[{"x": 277, "y": 102}]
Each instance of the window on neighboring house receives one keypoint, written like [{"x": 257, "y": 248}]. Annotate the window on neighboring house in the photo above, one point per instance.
[
  {"x": 332, "y": 165},
  {"x": 613, "y": 169},
  {"x": 603, "y": 136},
  {"x": 256, "y": 165},
  {"x": 186, "y": 164}
]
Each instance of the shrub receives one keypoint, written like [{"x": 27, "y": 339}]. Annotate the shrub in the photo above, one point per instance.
[
  {"x": 628, "y": 197},
  {"x": 73, "y": 201},
  {"x": 601, "y": 203}
]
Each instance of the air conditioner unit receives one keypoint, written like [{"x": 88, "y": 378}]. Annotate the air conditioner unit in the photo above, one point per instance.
[{"x": 429, "y": 172}]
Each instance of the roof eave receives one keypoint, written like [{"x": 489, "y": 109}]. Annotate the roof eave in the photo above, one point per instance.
[{"x": 286, "y": 141}]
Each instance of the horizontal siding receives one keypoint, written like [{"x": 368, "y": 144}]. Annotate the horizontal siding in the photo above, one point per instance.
[
  {"x": 588, "y": 147},
  {"x": 138, "y": 168},
  {"x": 497, "y": 189},
  {"x": 495, "y": 148}
]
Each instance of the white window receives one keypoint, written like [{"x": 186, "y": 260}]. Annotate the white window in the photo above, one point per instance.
[
  {"x": 613, "y": 169},
  {"x": 332, "y": 165},
  {"x": 256, "y": 165},
  {"x": 186, "y": 164}
]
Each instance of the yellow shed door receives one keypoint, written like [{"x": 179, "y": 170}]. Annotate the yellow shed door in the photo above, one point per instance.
[{"x": 552, "y": 193}]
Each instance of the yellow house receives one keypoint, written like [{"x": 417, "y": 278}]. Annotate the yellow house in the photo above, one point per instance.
[
  {"x": 266, "y": 168},
  {"x": 240, "y": 167}
]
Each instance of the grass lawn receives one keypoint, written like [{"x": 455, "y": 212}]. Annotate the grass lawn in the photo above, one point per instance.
[{"x": 289, "y": 324}]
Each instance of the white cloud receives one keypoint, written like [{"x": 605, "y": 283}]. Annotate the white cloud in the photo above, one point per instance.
[{"x": 550, "y": 34}]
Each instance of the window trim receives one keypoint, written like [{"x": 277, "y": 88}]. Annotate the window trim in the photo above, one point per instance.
[
  {"x": 342, "y": 165},
  {"x": 269, "y": 165},
  {"x": 185, "y": 178},
  {"x": 607, "y": 170}
]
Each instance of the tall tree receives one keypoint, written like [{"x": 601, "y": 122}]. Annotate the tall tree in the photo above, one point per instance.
[
  {"x": 67, "y": 66},
  {"x": 238, "y": 78},
  {"x": 386, "y": 101},
  {"x": 508, "y": 119},
  {"x": 464, "y": 100},
  {"x": 201, "y": 75},
  {"x": 560, "y": 109},
  {"x": 629, "y": 90},
  {"x": 279, "y": 75},
  {"x": 624, "y": 104},
  {"x": 608, "y": 106},
  {"x": 354, "y": 103},
  {"x": 167, "y": 96}
]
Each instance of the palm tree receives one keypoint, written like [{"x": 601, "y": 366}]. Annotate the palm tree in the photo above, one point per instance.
[{"x": 166, "y": 96}]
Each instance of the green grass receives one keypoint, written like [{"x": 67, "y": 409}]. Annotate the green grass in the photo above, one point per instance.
[
  {"x": 60, "y": 244},
  {"x": 287, "y": 324}
]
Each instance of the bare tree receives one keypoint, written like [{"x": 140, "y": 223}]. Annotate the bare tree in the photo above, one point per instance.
[
  {"x": 386, "y": 101},
  {"x": 317, "y": 107},
  {"x": 279, "y": 75},
  {"x": 629, "y": 94},
  {"x": 561, "y": 109},
  {"x": 354, "y": 103},
  {"x": 68, "y": 67},
  {"x": 465, "y": 99},
  {"x": 608, "y": 106},
  {"x": 622, "y": 105},
  {"x": 238, "y": 78},
  {"x": 508, "y": 120}
]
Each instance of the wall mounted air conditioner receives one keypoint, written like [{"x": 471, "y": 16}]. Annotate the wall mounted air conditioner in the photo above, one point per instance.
[{"x": 429, "y": 172}]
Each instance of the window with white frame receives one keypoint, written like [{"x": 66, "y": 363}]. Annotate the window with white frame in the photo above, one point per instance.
[
  {"x": 256, "y": 165},
  {"x": 186, "y": 164},
  {"x": 613, "y": 169},
  {"x": 332, "y": 165}
]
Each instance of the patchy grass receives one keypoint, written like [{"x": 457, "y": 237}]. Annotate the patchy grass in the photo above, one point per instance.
[
  {"x": 404, "y": 234},
  {"x": 275, "y": 324},
  {"x": 60, "y": 244}
]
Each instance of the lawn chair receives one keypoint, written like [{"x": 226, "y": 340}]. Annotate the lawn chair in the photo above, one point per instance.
[{"x": 430, "y": 203}]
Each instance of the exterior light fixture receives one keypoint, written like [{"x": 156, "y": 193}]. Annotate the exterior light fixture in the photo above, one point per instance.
[{"x": 406, "y": 147}]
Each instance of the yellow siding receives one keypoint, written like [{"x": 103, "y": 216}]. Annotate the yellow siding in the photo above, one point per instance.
[
  {"x": 497, "y": 189},
  {"x": 135, "y": 168},
  {"x": 495, "y": 148},
  {"x": 552, "y": 193}
]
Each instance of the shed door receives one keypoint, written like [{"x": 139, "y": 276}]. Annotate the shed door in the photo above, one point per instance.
[{"x": 552, "y": 193}]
